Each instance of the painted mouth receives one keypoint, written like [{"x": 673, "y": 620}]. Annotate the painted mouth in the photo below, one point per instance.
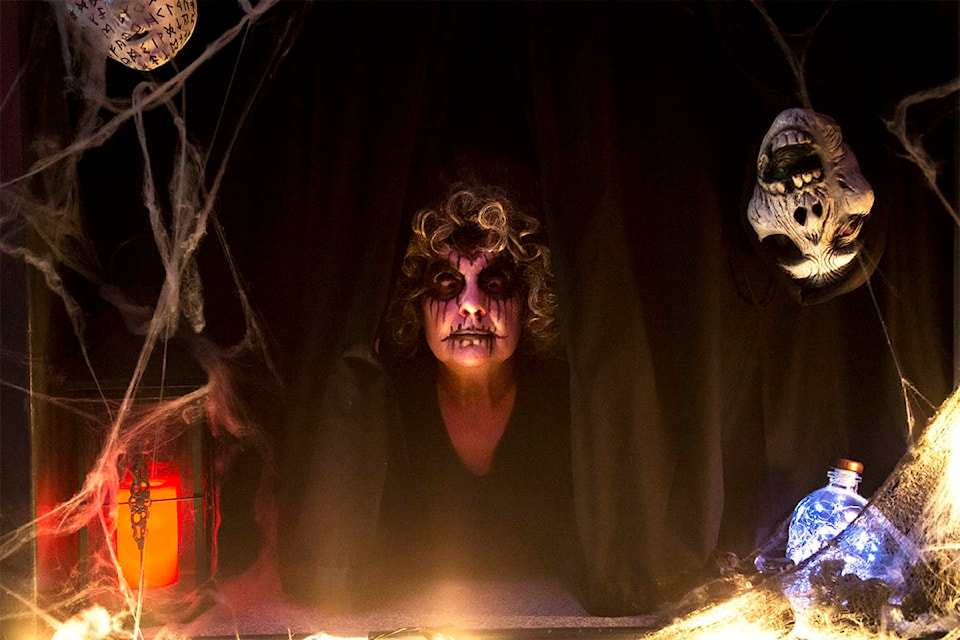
[
  {"x": 471, "y": 337},
  {"x": 471, "y": 334}
]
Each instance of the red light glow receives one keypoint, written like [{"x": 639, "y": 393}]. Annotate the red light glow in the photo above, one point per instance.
[{"x": 161, "y": 547}]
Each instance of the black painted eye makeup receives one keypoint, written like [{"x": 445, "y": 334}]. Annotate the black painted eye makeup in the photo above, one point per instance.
[
  {"x": 497, "y": 281},
  {"x": 444, "y": 283}
]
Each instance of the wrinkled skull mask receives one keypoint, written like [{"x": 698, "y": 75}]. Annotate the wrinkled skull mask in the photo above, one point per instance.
[
  {"x": 140, "y": 34},
  {"x": 810, "y": 199}
]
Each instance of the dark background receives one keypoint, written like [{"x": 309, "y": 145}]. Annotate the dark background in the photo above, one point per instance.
[{"x": 706, "y": 401}]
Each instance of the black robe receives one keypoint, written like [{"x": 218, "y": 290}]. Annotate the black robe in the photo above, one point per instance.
[{"x": 439, "y": 520}]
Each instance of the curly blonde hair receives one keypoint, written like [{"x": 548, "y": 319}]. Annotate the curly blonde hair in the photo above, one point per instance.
[{"x": 473, "y": 219}]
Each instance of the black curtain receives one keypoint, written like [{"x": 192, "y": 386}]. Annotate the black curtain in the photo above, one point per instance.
[{"x": 706, "y": 401}]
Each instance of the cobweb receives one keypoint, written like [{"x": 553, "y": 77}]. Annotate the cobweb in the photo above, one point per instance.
[
  {"x": 43, "y": 225},
  {"x": 919, "y": 500},
  {"x": 916, "y": 516}
]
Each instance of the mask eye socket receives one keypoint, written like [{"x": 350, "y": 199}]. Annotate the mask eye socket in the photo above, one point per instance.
[
  {"x": 498, "y": 282},
  {"x": 850, "y": 230},
  {"x": 783, "y": 249},
  {"x": 445, "y": 285}
]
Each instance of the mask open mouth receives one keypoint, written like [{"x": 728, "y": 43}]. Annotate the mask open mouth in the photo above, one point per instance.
[{"x": 791, "y": 163}]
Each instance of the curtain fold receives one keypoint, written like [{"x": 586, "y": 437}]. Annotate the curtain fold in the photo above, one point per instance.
[
  {"x": 625, "y": 463},
  {"x": 325, "y": 171}
]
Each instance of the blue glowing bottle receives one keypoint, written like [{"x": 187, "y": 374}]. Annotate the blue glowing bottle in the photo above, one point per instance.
[
  {"x": 871, "y": 548},
  {"x": 823, "y": 514}
]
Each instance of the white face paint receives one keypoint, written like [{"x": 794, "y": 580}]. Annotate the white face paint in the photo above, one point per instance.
[
  {"x": 810, "y": 199},
  {"x": 140, "y": 34},
  {"x": 471, "y": 310}
]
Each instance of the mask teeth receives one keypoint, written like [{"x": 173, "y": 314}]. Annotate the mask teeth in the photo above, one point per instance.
[
  {"x": 790, "y": 137},
  {"x": 807, "y": 177}
]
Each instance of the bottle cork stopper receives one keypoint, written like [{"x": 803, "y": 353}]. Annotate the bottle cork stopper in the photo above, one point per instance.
[{"x": 849, "y": 465}]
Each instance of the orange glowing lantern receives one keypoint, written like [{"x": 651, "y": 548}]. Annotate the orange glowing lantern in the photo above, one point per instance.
[
  {"x": 175, "y": 524},
  {"x": 148, "y": 526}
]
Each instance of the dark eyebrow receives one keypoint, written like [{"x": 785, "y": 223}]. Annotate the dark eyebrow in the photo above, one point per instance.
[
  {"x": 500, "y": 262},
  {"x": 436, "y": 265}
]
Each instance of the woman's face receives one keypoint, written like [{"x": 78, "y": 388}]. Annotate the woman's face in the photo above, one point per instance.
[{"x": 471, "y": 310}]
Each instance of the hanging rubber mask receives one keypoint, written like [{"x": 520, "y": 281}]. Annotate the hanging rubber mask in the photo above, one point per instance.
[
  {"x": 140, "y": 34},
  {"x": 810, "y": 201}
]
